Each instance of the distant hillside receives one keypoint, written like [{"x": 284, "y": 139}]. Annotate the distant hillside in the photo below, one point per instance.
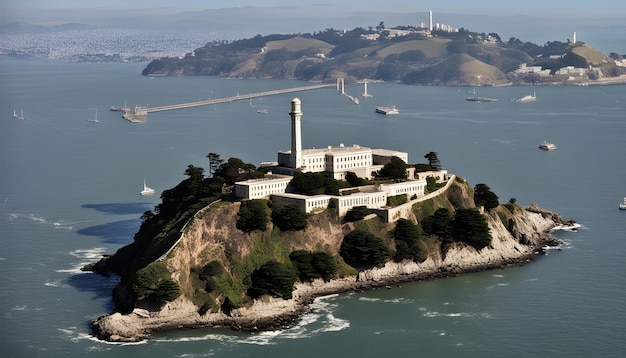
[{"x": 407, "y": 55}]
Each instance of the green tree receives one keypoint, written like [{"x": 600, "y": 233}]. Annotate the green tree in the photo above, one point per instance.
[
  {"x": 213, "y": 268},
  {"x": 483, "y": 196},
  {"x": 214, "y": 162},
  {"x": 154, "y": 282},
  {"x": 363, "y": 250},
  {"x": 357, "y": 213},
  {"x": 354, "y": 180},
  {"x": 433, "y": 160},
  {"x": 439, "y": 224},
  {"x": 407, "y": 237},
  {"x": 252, "y": 215},
  {"x": 395, "y": 169},
  {"x": 312, "y": 265},
  {"x": 235, "y": 170},
  {"x": 289, "y": 218},
  {"x": 272, "y": 278},
  {"x": 167, "y": 291},
  {"x": 314, "y": 184},
  {"x": 471, "y": 227}
]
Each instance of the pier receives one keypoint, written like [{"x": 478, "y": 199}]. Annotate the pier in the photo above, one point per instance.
[{"x": 140, "y": 114}]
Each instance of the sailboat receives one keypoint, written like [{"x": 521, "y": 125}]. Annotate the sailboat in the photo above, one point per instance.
[
  {"x": 18, "y": 116},
  {"x": 95, "y": 120},
  {"x": 146, "y": 189}
]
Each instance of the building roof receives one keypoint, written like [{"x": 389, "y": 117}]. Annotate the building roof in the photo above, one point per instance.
[
  {"x": 266, "y": 179},
  {"x": 341, "y": 149}
]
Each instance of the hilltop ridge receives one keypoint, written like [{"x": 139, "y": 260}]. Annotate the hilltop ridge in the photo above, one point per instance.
[{"x": 404, "y": 54}]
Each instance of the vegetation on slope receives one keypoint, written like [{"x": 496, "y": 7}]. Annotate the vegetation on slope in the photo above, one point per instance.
[
  {"x": 449, "y": 58},
  {"x": 225, "y": 261}
]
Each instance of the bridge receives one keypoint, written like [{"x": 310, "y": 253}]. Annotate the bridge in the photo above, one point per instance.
[{"x": 139, "y": 114}]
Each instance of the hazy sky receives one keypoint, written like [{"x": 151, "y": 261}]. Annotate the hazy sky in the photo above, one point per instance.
[{"x": 562, "y": 9}]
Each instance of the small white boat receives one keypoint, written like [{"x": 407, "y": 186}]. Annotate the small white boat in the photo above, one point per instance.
[
  {"x": 622, "y": 206},
  {"x": 146, "y": 190},
  {"x": 387, "y": 110},
  {"x": 18, "y": 116},
  {"x": 547, "y": 146},
  {"x": 528, "y": 98}
]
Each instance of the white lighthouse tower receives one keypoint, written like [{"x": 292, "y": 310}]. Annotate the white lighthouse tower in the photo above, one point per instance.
[{"x": 296, "y": 135}]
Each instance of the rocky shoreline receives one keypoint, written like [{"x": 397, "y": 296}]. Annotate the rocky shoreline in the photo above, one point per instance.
[{"x": 269, "y": 313}]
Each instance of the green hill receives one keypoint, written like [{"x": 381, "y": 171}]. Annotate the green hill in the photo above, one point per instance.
[{"x": 413, "y": 57}]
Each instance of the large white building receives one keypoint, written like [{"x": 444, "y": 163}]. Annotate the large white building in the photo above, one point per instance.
[{"x": 337, "y": 160}]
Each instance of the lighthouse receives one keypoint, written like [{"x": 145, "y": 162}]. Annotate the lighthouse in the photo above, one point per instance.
[{"x": 296, "y": 134}]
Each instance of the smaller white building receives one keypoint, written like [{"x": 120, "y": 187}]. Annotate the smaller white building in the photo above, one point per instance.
[
  {"x": 263, "y": 187},
  {"x": 525, "y": 69}
]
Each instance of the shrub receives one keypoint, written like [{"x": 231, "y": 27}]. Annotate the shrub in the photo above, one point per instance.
[
  {"x": 252, "y": 216},
  {"x": 272, "y": 278},
  {"x": 312, "y": 265},
  {"x": 357, "y": 213},
  {"x": 289, "y": 218},
  {"x": 407, "y": 237},
  {"x": 439, "y": 224},
  {"x": 471, "y": 227},
  {"x": 483, "y": 196},
  {"x": 167, "y": 291},
  {"x": 397, "y": 200},
  {"x": 363, "y": 249}
]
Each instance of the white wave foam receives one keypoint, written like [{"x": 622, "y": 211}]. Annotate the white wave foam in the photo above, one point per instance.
[
  {"x": 436, "y": 314},
  {"x": 368, "y": 299},
  {"x": 55, "y": 284},
  {"x": 58, "y": 224},
  {"x": 573, "y": 227},
  {"x": 74, "y": 334},
  {"x": 318, "y": 320},
  {"x": 94, "y": 253}
]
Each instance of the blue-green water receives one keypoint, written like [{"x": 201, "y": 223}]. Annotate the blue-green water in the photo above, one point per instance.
[{"x": 69, "y": 193}]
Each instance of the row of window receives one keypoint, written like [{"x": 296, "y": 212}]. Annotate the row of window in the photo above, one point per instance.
[
  {"x": 317, "y": 203},
  {"x": 362, "y": 201},
  {"x": 412, "y": 189}
]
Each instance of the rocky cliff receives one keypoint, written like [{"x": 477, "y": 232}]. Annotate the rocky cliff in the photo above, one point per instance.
[{"x": 213, "y": 236}]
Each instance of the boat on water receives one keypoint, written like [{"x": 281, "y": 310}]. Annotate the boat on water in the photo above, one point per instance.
[
  {"x": 622, "y": 206},
  {"x": 527, "y": 98},
  {"x": 146, "y": 190},
  {"x": 475, "y": 98},
  {"x": 547, "y": 146},
  {"x": 387, "y": 110},
  {"x": 18, "y": 116},
  {"x": 262, "y": 111}
]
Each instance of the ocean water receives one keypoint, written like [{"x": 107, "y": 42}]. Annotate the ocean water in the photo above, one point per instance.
[{"x": 69, "y": 193}]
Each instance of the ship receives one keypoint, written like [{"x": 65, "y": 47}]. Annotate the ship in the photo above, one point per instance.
[
  {"x": 474, "y": 98},
  {"x": 527, "y": 98},
  {"x": 387, "y": 110},
  {"x": 547, "y": 146}
]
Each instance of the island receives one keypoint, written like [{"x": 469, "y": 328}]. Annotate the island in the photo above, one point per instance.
[
  {"x": 412, "y": 54},
  {"x": 250, "y": 247}
]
